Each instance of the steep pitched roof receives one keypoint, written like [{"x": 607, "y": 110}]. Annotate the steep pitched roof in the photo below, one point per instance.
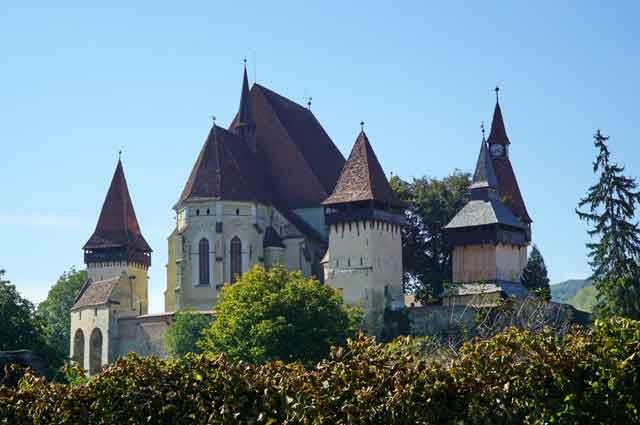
[
  {"x": 508, "y": 188},
  {"x": 117, "y": 225},
  {"x": 226, "y": 169},
  {"x": 484, "y": 212},
  {"x": 362, "y": 178},
  {"x": 95, "y": 293},
  {"x": 484, "y": 175},
  {"x": 498, "y": 134},
  {"x": 291, "y": 142},
  {"x": 245, "y": 114}
]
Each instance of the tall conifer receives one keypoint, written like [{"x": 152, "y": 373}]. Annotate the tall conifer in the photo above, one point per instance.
[
  {"x": 609, "y": 207},
  {"x": 534, "y": 275}
]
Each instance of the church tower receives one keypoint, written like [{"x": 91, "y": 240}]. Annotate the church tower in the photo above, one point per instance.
[
  {"x": 117, "y": 245},
  {"x": 489, "y": 236},
  {"x": 364, "y": 217}
]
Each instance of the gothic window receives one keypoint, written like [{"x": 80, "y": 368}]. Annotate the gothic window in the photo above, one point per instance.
[
  {"x": 236, "y": 258},
  {"x": 95, "y": 351},
  {"x": 78, "y": 347},
  {"x": 203, "y": 261}
]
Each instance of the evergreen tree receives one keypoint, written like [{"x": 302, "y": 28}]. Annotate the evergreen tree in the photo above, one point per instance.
[
  {"x": 610, "y": 208},
  {"x": 534, "y": 275}
]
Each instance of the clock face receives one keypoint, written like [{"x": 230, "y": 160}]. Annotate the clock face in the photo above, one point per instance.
[{"x": 497, "y": 150}]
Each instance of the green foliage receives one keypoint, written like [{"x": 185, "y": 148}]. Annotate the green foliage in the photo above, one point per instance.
[
  {"x": 20, "y": 329},
  {"x": 276, "y": 314},
  {"x": 563, "y": 291},
  {"x": 534, "y": 275},
  {"x": 185, "y": 331},
  {"x": 432, "y": 203},
  {"x": 610, "y": 208},
  {"x": 516, "y": 377},
  {"x": 54, "y": 312},
  {"x": 585, "y": 299}
]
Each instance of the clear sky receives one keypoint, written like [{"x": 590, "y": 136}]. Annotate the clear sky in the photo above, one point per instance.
[{"x": 78, "y": 83}]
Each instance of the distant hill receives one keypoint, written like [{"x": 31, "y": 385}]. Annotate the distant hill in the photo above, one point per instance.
[{"x": 577, "y": 292}]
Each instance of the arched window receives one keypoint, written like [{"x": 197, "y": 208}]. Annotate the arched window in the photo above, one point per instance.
[
  {"x": 78, "y": 347},
  {"x": 236, "y": 258},
  {"x": 95, "y": 351},
  {"x": 203, "y": 253}
]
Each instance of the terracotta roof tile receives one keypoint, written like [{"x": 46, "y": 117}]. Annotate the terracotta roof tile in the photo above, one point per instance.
[
  {"x": 118, "y": 226},
  {"x": 226, "y": 169},
  {"x": 362, "y": 178}
]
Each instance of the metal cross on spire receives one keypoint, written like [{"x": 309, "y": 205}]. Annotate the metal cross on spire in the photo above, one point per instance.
[
  {"x": 119, "y": 154},
  {"x": 361, "y": 125},
  {"x": 482, "y": 128},
  {"x": 497, "y": 89},
  {"x": 309, "y": 102}
]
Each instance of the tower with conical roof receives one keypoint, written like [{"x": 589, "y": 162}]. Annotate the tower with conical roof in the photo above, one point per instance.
[
  {"x": 117, "y": 244},
  {"x": 488, "y": 241},
  {"x": 364, "y": 218}
]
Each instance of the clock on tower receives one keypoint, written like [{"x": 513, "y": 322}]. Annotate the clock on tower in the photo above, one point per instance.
[{"x": 497, "y": 150}]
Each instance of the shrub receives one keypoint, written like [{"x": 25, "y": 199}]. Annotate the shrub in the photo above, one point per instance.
[
  {"x": 185, "y": 332},
  {"x": 586, "y": 376}
]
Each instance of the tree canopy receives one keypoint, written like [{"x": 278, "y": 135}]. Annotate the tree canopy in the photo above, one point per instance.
[
  {"x": 277, "y": 314},
  {"x": 55, "y": 310},
  {"x": 432, "y": 203},
  {"x": 20, "y": 329},
  {"x": 609, "y": 207},
  {"x": 185, "y": 332},
  {"x": 534, "y": 275}
]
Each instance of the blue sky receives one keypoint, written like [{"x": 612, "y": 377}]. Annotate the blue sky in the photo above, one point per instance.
[{"x": 78, "y": 83}]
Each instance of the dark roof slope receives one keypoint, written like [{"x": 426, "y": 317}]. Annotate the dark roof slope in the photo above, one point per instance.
[
  {"x": 226, "y": 169},
  {"x": 508, "y": 188},
  {"x": 96, "y": 293},
  {"x": 362, "y": 178},
  {"x": 117, "y": 226},
  {"x": 272, "y": 238},
  {"x": 245, "y": 114},
  {"x": 482, "y": 213},
  {"x": 484, "y": 175},
  {"x": 293, "y": 149},
  {"x": 498, "y": 132}
]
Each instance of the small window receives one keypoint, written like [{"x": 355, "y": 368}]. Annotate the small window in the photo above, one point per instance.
[
  {"x": 95, "y": 311},
  {"x": 237, "y": 211},
  {"x": 197, "y": 212},
  {"x": 203, "y": 260},
  {"x": 360, "y": 260},
  {"x": 208, "y": 211},
  {"x": 236, "y": 258},
  {"x": 349, "y": 262}
]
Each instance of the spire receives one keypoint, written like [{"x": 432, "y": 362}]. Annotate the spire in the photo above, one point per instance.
[
  {"x": 244, "y": 125},
  {"x": 117, "y": 225},
  {"x": 498, "y": 134},
  {"x": 245, "y": 114},
  {"x": 362, "y": 178},
  {"x": 484, "y": 184}
]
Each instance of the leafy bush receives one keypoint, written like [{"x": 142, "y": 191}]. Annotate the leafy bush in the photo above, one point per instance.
[
  {"x": 276, "y": 314},
  {"x": 585, "y": 377},
  {"x": 185, "y": 332}
]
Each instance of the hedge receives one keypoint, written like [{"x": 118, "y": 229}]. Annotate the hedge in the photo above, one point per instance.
[{"x": 587, "y": 376}]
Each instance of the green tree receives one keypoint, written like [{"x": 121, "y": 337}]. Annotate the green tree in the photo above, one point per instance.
[
  {"x": 54, "y": 312},
  {"x": 185, "y": 331},
  {"x": 534, "y": 275},
  {"x": 276, "y": 314},
  {"x": 432, "y": 203},
  {"x": 610, "y": 208},
  {"x": 20, "y": 329}
]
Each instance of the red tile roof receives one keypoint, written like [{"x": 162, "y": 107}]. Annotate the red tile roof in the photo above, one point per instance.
[
  {"x": 293, "y": 149},
  {"x": 117, "y": 226},
  {"x": 508, "y": 188},
  {"x": 226, "y": 169},
  {"x": 498, "y": 134},
  {"x": 362, "y": 178}
]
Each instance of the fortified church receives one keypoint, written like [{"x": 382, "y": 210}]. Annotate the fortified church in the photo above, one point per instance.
[{"x": 272, "y": 188}]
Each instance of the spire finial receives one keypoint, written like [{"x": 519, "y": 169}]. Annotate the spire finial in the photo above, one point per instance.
[
  {"x": 309, "y": 102},
  {"x": 497, "y": 89},
  {"x": 119, "y": 154},
  {"x": 245, "y": 62},
  {"x": 482, "y": 128},
  {"x": 362, "y": 126},
  {"x": 213, "y": 119}
]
